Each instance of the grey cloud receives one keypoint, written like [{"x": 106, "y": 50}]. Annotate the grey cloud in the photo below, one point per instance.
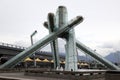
[{"x": 106, "y": 45}]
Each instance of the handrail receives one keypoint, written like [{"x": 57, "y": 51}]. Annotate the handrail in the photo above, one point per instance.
[
  {"x": 69, "y": 75},
  {"x": 11, "y": 45},
  {"x": 16, "y": 46}
]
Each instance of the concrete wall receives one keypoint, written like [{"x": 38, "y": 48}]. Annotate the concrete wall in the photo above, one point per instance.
[{"x": 112, "y": 75}]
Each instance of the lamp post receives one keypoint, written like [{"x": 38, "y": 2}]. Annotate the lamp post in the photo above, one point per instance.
[{"x": 31, "y": 37}]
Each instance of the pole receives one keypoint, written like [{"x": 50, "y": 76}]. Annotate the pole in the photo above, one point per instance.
[{"x": 31, "y": 37}]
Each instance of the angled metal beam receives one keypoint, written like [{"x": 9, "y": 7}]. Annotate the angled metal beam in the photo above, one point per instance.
[
  {"x": 41, "y": 43},
  {"x": 96, "y": 56}
]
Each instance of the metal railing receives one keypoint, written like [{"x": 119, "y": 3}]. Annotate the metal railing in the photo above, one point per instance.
[
  {"x": 69, "y": 75},
  {"x": 11, "y": 45}
]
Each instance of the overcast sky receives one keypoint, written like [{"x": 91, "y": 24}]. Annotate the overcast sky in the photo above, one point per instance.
[{"x": 100, "y": 29}]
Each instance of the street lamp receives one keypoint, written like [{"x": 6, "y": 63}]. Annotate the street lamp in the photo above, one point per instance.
[{"x": 31, "y": 37}]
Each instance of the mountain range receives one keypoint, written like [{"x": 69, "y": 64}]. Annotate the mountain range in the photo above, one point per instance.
[{"x": 114, "y": 57}]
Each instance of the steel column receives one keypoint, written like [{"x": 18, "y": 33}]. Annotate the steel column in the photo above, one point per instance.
[
  {"x": 54, "y": 44},
  {"x": 71, "y": 55}
]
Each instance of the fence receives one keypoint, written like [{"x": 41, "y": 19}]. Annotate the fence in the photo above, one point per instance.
[{"x": 11, "y": 45}]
